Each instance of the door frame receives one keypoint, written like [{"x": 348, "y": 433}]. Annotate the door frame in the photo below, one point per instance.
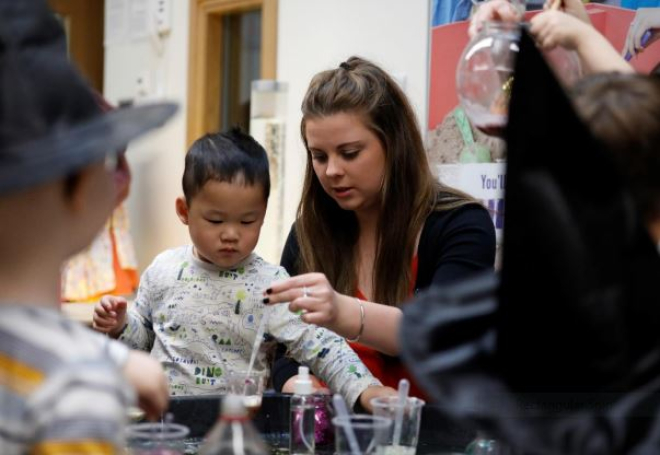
[{"x": 205, "y": 71}]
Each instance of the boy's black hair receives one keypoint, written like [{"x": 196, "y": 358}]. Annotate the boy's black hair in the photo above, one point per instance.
[{"x": 224, "y": 157}]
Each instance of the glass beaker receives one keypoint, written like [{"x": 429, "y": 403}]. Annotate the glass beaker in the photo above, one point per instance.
[
  {"x": 411, "y": 418},
  {"x": 370, "y": 433},
  {"x": 250, "y": 387}
]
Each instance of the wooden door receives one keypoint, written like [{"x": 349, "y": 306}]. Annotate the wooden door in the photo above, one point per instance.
[{"x": 83, "y": 22}]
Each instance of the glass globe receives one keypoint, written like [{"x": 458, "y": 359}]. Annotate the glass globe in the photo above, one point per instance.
[{"x": 484, "y": 75}]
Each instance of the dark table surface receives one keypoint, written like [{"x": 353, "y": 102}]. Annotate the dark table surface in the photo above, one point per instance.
[{"x": 438, "y": 435}]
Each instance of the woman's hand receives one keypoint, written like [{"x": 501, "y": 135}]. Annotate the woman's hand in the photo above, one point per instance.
[
  {"x": 311, "y": 295},
  {"x": 318, "y": 303},
  {"x": 646, "y": 20},
  {"x": 574, "y": 8},
  {"x": 494, "y": 10},
  {"x": 555, "y": 28}
]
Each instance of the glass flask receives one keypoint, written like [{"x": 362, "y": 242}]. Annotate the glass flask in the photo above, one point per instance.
[{"x": 484, "y": 75}]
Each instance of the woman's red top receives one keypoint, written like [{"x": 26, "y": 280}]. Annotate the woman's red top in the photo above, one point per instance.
[{"x": 389, "y": 370}]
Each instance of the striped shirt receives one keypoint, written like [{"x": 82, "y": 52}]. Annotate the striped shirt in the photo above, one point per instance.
[{"x": 61, "y": 390}]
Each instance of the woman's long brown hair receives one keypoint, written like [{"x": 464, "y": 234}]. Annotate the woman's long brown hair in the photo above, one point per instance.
[{"x": 326, "y": 233}]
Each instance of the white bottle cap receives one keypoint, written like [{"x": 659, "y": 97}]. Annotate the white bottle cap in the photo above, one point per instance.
[
  {"x": 303, "y": 384},
  {"x": 232, "y": 406}
]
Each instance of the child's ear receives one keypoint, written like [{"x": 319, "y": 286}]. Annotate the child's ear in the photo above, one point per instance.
[
  {"x": 75, "y": 187},
  {"x": 72, "y": 191},
  {"x": 182, "y": 210}
]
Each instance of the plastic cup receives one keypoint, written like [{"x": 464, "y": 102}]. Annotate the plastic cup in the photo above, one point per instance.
[
  {"x": 156, "y": 438},
  {"x": 371, "y": 433},
  {"x": 411, "y": 419}
]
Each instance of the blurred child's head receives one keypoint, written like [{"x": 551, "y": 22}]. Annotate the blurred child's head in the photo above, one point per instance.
[
  {"x": 226, "y": 185},
  {"x": 58, "y": 150},
  {"x": 58, "y": 218},
  {"x": 623, "y": 111}
]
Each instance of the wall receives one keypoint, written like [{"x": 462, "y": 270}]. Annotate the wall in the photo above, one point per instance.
[
  {"x": 314, "y": 35},
  {"x": 157, "y": 161}
]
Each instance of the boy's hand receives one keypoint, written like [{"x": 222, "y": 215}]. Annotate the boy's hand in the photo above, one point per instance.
[
  {"x": 374, "y": 392},
  {"x": 146, "y": 376},
  {"x": 554, "y": 28},
  {"x": 110, "y": 315}
]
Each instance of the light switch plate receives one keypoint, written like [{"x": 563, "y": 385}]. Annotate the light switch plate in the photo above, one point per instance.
[{"x": 162, "y": 15}]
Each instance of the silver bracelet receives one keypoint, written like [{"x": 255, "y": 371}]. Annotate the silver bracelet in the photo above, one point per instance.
[{"x": 357, "y": 338}]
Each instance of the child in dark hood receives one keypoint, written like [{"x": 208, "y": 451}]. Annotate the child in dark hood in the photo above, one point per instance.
[{"x": 62, "y": 387}]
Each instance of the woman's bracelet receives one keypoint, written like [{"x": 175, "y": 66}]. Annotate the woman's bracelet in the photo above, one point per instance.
[{"x": 357, "y": 338}]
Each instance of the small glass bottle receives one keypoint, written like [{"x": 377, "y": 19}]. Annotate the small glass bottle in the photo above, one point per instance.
[
  {"x": 302, "y": 415},
  {"x": 485, "y": 445},
  {"x": 234, "y": 433}
]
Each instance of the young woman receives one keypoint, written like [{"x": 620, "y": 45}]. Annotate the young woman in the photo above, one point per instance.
[{"x": 373, "y": 225}]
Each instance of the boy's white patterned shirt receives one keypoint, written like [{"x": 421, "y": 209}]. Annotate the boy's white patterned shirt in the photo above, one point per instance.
[{"x": 200, "y": 322}]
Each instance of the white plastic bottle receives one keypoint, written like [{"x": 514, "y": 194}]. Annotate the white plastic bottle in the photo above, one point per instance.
[
  {"x": 302, "y": 414},
  {"x": 234, "y": 433}
]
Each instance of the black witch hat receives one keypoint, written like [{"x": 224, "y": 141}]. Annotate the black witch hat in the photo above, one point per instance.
[
  {"x": 561, "y": 353},
  {"x": 50, "y": 122}
]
